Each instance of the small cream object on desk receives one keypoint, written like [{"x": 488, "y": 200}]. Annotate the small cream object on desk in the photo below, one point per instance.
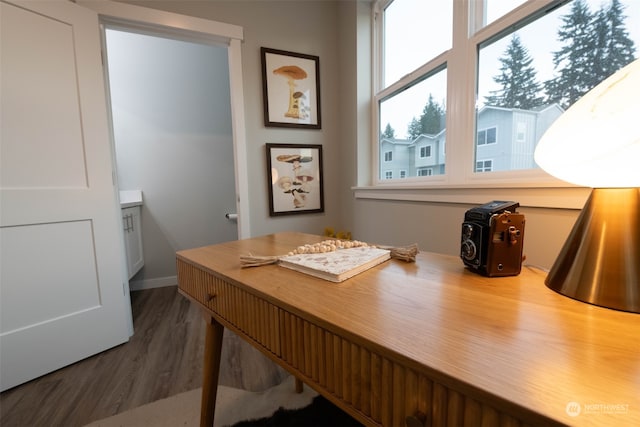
[
  {"x": 339, "y": 265},
  {"x": 404, "y": 253}
]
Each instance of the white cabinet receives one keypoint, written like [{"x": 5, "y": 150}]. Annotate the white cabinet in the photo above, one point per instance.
[{"x": 133, "y": 239}]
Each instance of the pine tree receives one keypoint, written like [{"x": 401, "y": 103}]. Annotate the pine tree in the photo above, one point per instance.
[
  {"x": 620, "y": 49},
  {"x": 575, "y": 60},
  {"x": 431, "y": 119},
  {"x": 389, "y": 132},
  {"x": 415, "y": 128},
  {"x": 520, "y": 89},
  {"x": 596, "y": 46},
  {"x": 430, "y": 122},
  {"x": 600, "y": 68}
]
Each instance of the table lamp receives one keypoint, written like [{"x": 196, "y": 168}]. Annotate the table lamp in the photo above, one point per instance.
[{"x": 596, "y": 143}]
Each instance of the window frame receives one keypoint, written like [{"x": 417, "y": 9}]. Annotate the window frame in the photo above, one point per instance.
[{"x": 460, "y": 182}]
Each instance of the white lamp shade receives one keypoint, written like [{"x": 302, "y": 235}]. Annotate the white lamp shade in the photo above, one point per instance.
[{"x": 596, "y": 142}]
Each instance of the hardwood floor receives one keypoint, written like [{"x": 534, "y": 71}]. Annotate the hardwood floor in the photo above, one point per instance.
[{"x": 162, "y": 358}]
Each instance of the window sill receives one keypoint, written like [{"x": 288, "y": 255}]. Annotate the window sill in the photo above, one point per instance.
[{"x": 540, "y": 197}]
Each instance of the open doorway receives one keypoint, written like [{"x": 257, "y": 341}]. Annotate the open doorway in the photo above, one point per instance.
[{"x": 172, "y": 129}]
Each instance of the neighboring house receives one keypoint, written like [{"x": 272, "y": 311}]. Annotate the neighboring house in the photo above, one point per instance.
[
  {"x": 507, "y": 137},
  {"x": 429, "y": 154},
  {"x": 422, "y": 156},
  {"x": 395, "y": 159},
  {"x": 506, "y": 140}
]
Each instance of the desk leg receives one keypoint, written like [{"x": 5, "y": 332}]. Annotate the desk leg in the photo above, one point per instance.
[{"x": 211, "y": 369}]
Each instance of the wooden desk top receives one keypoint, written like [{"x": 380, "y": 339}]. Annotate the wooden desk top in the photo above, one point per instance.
[{"x": 511, "y": 338}]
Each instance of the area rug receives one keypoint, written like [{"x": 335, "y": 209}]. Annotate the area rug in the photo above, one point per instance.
[
  {"x": 320, "y": 413},
  {"x": 277, "y": 406}
]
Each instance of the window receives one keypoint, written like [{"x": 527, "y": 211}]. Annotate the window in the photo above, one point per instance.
[
  {"x": 388, "y": 156},
  {"x": 487, "y": 136},
  {"x": 521, "y": 132},
  {"x": 425, "y": 151},
  {"x": 484, "y": 166},
  {"x": 408, "y": 23},
  {"x": 388, "y": 175},
  {"x": 510, "y": 68},
  {"x": 403, "y": 174},
  {"x": 412, "y": 116}
]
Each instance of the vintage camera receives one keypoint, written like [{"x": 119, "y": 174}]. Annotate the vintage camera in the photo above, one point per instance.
[{"x": 492, "y": 237}]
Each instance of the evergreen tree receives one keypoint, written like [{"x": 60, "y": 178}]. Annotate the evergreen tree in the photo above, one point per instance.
[
  {"x": 520, "y": 89},
  {"x": 389, "y": 132},
  {"x": 600, "y": 41},
  {"x": 620, "y": 49},
  {"x": 596, "y": 46},
  {"x": 431, "y": 119},
  {"x": 415, "y": 128},
  {"x": 575, "y": 60},
  {"x": 430, "y": 122}
]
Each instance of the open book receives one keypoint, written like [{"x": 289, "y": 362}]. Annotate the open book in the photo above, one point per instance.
[{"x": 339, "y": 265}]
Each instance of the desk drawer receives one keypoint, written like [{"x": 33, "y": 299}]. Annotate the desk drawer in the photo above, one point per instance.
[
  {"x": 377, "y": 388},
  {"x": 253, "y": 316}
]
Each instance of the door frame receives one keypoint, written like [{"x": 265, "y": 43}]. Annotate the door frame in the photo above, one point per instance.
[{"x": 155, "y": 22}]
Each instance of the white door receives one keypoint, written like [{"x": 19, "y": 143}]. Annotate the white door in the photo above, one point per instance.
[{"x": 62, "y": 269}]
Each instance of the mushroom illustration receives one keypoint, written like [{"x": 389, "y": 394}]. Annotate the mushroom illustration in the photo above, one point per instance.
[
  {"x": 304, "y": 177},
  {"x": 298, "y": 104},
  {"x": 299, "y": 198},
  {"x": 295, "y": 160},
  {"x": 285, "y": 183},
  {"x": 292, "y": 73}
]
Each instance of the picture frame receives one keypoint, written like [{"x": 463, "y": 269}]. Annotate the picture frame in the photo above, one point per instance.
[
  {"x": 291, "y": 89},
  {"x": 295, "y": 182}
]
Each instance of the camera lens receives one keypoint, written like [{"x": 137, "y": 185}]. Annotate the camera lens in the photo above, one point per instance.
[{"x": 468, "y": 250}]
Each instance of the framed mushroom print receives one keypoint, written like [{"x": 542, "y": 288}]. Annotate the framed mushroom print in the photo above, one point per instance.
[
  {"x": 295, "y": 179},
  {"x": 291, "y": 89}
]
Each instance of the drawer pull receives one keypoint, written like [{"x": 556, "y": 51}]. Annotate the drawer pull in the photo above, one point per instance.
[{"x": 210, "y": 297}]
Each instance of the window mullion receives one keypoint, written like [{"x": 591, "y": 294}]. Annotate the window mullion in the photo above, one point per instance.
[{"x": 461, "y": 98}]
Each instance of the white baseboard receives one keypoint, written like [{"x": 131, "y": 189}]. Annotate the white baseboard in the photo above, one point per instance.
[{"x": 159, "y": 282}]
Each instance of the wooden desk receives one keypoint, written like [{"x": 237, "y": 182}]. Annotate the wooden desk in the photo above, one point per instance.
[{"x": 429, "y": 339}]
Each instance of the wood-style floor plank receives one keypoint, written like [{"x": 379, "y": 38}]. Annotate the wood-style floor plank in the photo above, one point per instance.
[{"x": 162, "y": 358}]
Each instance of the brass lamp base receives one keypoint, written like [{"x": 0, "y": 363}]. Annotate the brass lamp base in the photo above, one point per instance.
[{"x": 600, "y": 261}]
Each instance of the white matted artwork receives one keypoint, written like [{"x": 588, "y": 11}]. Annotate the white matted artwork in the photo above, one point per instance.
[
  {"x": 291, "y": 89},
  {"x": 295, "y": 179}
]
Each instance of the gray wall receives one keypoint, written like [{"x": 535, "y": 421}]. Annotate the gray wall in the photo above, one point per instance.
[
  {"x": 172, "y": 131},
  {"x": 328, "y": 29}
]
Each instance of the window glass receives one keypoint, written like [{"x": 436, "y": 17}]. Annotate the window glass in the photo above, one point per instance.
[
  {"x": 496, "y": 9},
  {"x": 412, "y": 119},
  {"x": 531, "y": 66},
  {"x": 414, "y": 32},
  {"x": 528, "y": 77},
  {"x": 484, "y": 166}
]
